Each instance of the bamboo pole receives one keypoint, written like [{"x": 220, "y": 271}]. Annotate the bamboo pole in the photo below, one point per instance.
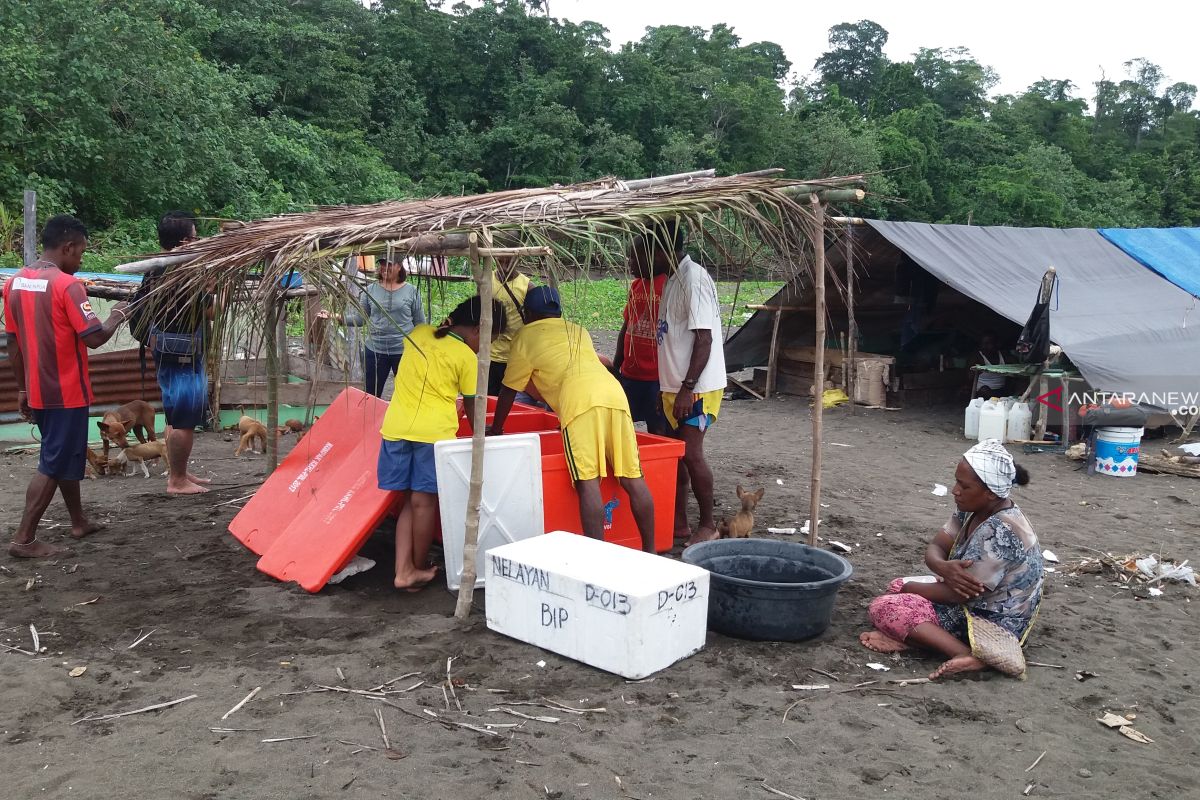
[
  {"x": 483, "y": 281},
  {"x": 146, "y": 264},
  {"x": 818, "y": 242},
  {"x": 682, "y": 177},
  {"x": 852, "y": 374},
  {"x": 824, "y": 194},
  {"x": 30, "y": 229},
  {"x": 275, "y": 319}
]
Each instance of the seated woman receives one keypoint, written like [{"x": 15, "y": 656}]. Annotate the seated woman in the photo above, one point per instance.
[{"x": 988, "y": 564}]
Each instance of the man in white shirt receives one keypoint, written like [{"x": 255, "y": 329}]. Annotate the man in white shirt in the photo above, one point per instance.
[{"x": 691, "y": 370}]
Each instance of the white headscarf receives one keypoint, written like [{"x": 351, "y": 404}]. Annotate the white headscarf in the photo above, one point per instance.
[{"x": 993, "y": 465}]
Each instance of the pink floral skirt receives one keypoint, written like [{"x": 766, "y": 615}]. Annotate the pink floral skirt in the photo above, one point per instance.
[{"x": 895, "y": 614}]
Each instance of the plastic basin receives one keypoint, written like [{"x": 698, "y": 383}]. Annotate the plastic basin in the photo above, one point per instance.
[{"x": 769, "y": 590}]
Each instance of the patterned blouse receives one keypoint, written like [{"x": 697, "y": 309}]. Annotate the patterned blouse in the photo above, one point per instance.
[{"x": 1008, "y": 561}]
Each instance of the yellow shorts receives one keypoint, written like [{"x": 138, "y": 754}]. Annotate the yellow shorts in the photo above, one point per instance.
[
  {"x": 599, "y": 439},
  {"x": 704, "y": 411}
]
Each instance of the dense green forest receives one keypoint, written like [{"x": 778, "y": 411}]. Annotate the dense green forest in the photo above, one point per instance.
[{"x": 119, "y": 110}]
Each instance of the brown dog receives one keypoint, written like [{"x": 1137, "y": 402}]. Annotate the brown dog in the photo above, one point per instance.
[
  {"x": 97, "y": 464},
  {"x": 136, "y": 415},
  {"x": 743, "y": 521},
  {"x": 251, "y": 430},
  {"x": 139, "y": 454}
]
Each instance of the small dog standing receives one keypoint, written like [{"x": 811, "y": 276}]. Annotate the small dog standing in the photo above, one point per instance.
[
  {"x": 251, "y": 430},
  {"x": 139, "y": 454},
  {"x": 136, "y": 415},
  {"x": 743, "y": 521}
]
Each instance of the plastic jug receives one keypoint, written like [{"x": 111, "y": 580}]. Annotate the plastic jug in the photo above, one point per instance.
[
  {"x": 971, "y": 425},
  {"x": 992, "y": 421},
  {"x": 1020, "y": 422}
]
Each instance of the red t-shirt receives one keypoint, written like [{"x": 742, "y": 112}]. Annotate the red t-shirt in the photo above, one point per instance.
[
  {"x": 49, "y": 313},
  {"x": 641, "y": 334}
]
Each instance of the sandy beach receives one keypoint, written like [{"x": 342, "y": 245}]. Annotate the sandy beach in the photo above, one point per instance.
[{"x": 166, "y": 572}]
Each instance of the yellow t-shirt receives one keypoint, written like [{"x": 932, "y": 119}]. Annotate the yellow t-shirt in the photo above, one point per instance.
[
  {"x": 558, "y": 356},
  {"x": 519, "y": 284},
  {"x": 432, "y": 374}
]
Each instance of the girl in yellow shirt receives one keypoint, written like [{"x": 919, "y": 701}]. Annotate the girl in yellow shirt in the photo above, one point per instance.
[{"x": 439, "y": 364}]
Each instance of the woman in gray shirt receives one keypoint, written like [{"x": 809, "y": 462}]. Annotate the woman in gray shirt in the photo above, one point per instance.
[{"x": 389, "y": 309}]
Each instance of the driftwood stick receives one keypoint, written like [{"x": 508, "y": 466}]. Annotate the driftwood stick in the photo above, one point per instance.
[
  {"x": 396, "y": 679},
  {"x": 245, "y": 700},
  {"x": 775, "y": 791},
  {"x": 154, "y": 707},
  {"x": 382, "y": 729},
  {"x": 1036, "y": 761}
]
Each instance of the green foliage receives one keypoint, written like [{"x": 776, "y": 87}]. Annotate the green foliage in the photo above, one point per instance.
[{"x": 119, "y": 111}]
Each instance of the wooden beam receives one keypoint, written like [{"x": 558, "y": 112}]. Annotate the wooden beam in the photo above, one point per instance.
[
  {"x": 745, "y": 387},
  {"x": 482, "y": 270},
  {"x": 852, "y": 323},
  {"x": 818, "y": 243},
  {"x": 773, "y": 358}
]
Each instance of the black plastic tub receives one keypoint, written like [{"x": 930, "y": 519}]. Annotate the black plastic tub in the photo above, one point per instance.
[{"x": 769, "y": 590}]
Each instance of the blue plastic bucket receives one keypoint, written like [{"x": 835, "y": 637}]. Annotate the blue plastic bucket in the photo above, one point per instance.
[{"x": 1117, "y": 451}]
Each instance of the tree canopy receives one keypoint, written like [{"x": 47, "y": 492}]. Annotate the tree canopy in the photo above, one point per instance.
[{"x": 119, "y": 111}]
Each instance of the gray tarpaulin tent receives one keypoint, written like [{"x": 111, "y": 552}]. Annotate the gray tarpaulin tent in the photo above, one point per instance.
[{"x": 1126, "y": 328}]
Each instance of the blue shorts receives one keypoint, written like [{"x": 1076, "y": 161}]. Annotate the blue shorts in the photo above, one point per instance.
[
  {"x": 184, "y": 386},
  {"x": 64, "y": 434},
  {"x": 645, "y": 403},
  {"x": 407, "y": 466}
]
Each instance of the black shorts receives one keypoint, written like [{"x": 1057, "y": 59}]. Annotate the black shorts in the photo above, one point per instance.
[
  {"x": 64, "y": 442},
  {"x": 645, "y": 403}
]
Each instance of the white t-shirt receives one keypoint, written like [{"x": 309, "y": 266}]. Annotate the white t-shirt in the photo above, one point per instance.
[{"x": 689, "y": 303}]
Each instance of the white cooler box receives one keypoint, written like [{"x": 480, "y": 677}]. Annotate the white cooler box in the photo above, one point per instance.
[
  {"x": 618, "y": 609},
  {"x": 510, "y": 508}
]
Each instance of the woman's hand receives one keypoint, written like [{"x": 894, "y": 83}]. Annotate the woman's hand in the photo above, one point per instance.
[
  {"x": 325, "y": 314},
  {"x": 955, "y": 575}
]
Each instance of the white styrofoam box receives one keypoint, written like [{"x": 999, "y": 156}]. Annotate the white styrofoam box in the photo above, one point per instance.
[
  {"x": 609, "y": 606},
  {"x": 511, "y": 506}
]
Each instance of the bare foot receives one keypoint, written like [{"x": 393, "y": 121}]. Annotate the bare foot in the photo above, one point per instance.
[
  {"x": 702, "y": 535},
  {"x": 35, "y": 549},
  {"x": 416, "y": 580},
  {"x": 964, "y": 663},
  {"x": 86, "y": 529},
  {"x": 683, "y": 533},
  {"x": 187, "y": 487},
  {"x": 198, "y": 481},
  {"x": 880, "y": 643}
]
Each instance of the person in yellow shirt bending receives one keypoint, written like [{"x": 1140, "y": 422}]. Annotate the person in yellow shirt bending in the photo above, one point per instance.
[
  {"x": 597, "y": 429},
  {"x": 438, "y": 365},
  {"x": 509, "y": 287}
]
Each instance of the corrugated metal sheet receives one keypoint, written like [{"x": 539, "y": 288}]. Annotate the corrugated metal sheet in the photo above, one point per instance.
[{"x": 116, "y": 379}]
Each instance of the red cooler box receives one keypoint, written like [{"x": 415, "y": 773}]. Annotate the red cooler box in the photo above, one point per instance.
[{"x": 660, "y": 462}]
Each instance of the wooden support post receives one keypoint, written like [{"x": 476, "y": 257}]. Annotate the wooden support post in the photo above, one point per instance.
[
  {"x": 30, "y": 231},
  {"x": 274, "y": 342},
  {"x": 852, "y": 368},
  {"x": 482, "y": 272},
  {"x": 818, "y": 243},
  {"x": 773, "y": 359},
  {"x": 1039, "y": 433}
]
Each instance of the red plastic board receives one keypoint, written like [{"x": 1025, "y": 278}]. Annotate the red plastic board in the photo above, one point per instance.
[
  {"x": 349, "y": 430},
  {"x": 314, "y": 513}
]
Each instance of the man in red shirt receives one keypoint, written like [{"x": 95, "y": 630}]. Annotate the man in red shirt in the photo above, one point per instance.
[
  {"x": 636, "y": 360},
  {"x": 49, "y": 324}
]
